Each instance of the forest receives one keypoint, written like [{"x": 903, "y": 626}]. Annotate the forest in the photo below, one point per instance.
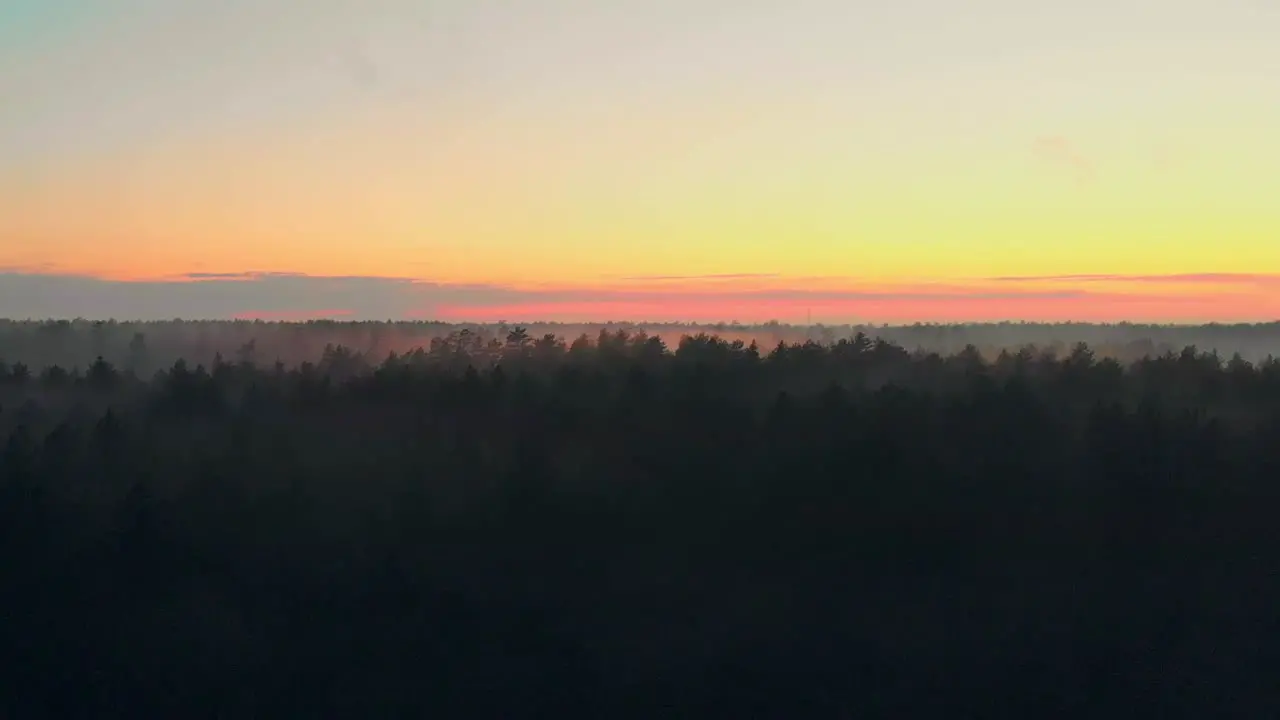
[
  {"x": 146, "y": 347},
  {"x": 234, "y": 520}
]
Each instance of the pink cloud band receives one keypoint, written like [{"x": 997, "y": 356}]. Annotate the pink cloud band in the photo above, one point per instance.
[{"x": 285, "y": 296}]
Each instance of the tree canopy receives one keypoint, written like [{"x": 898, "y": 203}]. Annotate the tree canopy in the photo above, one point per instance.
[{"x": 531, "y": 525}]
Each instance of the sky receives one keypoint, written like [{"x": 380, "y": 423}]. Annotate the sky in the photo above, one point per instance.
[{"x": 840, "y": 160}]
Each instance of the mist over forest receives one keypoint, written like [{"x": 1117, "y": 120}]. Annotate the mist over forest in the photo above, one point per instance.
[
  {"x": 149, "y": 346},
  {"x": 242, "y": 519}
]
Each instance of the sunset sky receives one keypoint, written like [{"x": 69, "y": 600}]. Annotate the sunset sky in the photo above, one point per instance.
[{"x": 641, "y": 159}]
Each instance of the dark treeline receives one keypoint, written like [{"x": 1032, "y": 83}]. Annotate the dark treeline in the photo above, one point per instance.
[
  {"x": 145, "y": 347},
  {"x": 615, "y": 528}
]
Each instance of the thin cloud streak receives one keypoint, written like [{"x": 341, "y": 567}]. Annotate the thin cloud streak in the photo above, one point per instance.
[
  {"x": 1172, "y": 278},
  {"x": 720, "y": 276},
  {"x": 244, "y": 275}
]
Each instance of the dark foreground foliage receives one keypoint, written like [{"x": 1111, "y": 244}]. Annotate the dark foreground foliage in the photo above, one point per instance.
[{"x": 615, "y": 530}]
